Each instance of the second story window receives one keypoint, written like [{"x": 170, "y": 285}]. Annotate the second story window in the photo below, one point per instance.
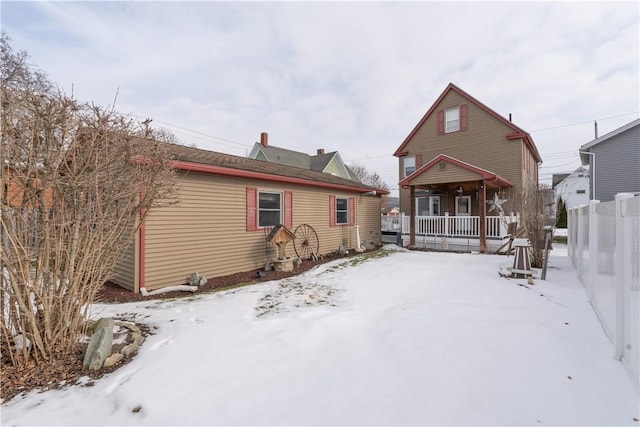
[
  {"x": 409, "y": 165},
  {"x": 452, "y": 120}
]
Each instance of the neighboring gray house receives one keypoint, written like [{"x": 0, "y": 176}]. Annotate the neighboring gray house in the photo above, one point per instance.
[
  {"x": 573, "y": 189},
  {"x": 614, "y": 162},
  {"x": 330, "y": 163}
]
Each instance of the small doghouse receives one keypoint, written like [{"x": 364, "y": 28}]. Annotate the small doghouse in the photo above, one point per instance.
[{"x": 280, "y": 236}]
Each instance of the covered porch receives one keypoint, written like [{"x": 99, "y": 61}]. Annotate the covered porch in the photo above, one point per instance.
[
  {"x": 448, "y": 207},
  {"x": 452, "y": 233}
]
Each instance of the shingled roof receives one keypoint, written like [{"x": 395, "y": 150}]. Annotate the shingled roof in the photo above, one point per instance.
[
  {"x": 287, "y": 157},
  {"x": 187, "y": 158}
]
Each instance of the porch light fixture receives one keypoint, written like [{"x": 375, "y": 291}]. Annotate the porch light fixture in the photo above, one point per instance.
[{"x": 460, "y": 189}]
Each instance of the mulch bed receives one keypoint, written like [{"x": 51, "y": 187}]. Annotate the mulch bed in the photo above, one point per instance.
[{"x": 16, "y": 380}]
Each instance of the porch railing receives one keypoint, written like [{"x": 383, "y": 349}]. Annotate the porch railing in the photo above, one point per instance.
[{"x": 450, "y": 226}]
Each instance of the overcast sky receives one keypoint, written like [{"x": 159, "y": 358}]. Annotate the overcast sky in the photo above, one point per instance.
[{"x": 349, "y": 76}]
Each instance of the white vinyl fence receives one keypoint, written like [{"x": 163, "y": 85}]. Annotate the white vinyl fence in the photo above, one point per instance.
[{"x": 604, "y": 245}]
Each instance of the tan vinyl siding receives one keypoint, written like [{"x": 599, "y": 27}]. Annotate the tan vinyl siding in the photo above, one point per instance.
[
  {"x": 124, "y": 273},
  {"x": 483, "y": 144},
  {"x": 206, "y": 231},
  {"x": 368, "y": 222},
  {"x": 453, "y": 173}
]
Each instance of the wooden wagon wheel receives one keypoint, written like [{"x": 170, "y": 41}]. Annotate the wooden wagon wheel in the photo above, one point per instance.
[{"x": 306, "y": 243}]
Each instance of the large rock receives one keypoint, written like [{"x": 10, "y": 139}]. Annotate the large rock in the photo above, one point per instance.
[{"x": 99, "y": 345}]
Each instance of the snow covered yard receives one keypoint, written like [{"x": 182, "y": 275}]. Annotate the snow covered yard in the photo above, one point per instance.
[{"x": 413, "y": 338}]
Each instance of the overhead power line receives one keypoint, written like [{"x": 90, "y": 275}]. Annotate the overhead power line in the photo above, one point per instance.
[
  {"x": 583, "y": 123},
  {"x": 170, "y": 126}
]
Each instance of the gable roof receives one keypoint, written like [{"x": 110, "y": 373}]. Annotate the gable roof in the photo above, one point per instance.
[
  {"x": 198, "y": 160},
  {"x": 486, "y": 175},
  {"x": 320, "y": 161},
  {"x": 517, "y": 131},
  {"x": 610, "y": 135},
  {"x": 288, "y": 157},
  {"x": 283, "y": 156}
]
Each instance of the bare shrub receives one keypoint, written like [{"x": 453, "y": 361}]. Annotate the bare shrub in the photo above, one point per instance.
[
  {"x": 534, "y": 206},
  {"x": 77, "y": 180}
]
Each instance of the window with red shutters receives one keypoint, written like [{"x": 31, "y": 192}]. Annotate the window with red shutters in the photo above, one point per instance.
[
  {"x": 268, "y": 208},
  {"x": 453, "y": 119}
]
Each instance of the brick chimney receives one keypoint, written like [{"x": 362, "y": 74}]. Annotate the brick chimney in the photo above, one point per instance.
[
  {"x": 320, "y": 151},
  {"x": 264, "y": 139}
]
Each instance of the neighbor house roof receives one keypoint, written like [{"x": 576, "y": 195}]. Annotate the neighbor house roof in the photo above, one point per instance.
[
  {"x": 517, "y": 131},
  {"x": 288, "y": 157},
  {"x": 586, "y": 147},
  {"x": 285, "y": 156},
  {"x": 198, "y": 160}
]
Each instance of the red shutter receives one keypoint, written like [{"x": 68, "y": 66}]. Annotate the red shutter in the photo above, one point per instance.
[
  {"x": 440, "y": 122},
  {"x": 418, "y": 161},
  {"x": 332, "y": 211},
  {"x": 252, "y": 209},
  {"x": 352, "y": 211},
  {"x": 288, "y": 209},
  {"x": 464, "y": 114}
]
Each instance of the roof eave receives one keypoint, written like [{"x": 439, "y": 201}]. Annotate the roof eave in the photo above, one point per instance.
[
  {"x": 242, "y": 173},
  {"x": 486, "y": 175}
]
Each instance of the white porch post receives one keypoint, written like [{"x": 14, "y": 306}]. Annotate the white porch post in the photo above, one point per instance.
[
  {"x": 483, "y": 218},
  {"x": 412, "y": 214},
  {"x": 446, "y": 223}
]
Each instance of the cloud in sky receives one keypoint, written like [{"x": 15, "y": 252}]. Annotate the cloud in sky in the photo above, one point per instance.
[{"x": 349, "y": 76}]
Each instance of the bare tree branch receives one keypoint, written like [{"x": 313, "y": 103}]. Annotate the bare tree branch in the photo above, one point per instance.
[{"x": 77, "y": 180}]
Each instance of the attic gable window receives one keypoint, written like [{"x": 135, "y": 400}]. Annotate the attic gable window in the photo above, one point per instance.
[{"x": 452, "y": 120}]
